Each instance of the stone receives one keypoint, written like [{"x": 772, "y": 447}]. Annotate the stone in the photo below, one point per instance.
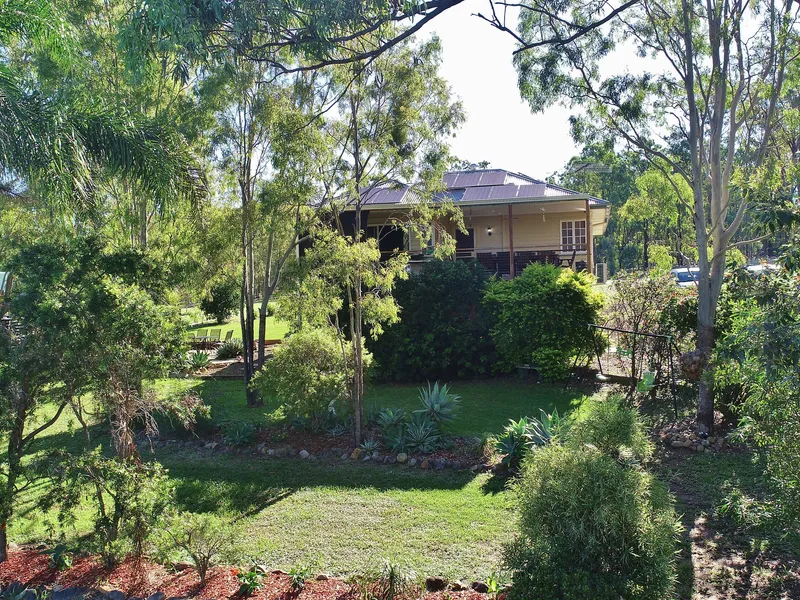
[
  {"x": 345, "y": 456},
  {"x": 457, "y": 586},
  {"x": 412, "y": 462},
  {"x": 480, "y": 587},
  {"x": 116, "y": 595},
  {"x": 260, "y": 447},
  {"x": 356, "y": 454},
  {"x": 182, "y": 566},
  {"x": 281, "y": 452},
  {"x": 441, "y": 464},
  {"x": 322, "y": 577},
  {"x": 304, "y": 454},
  {"x": 157, "y": 596},
  {"x": 435, "y": 584},
  {"x": 391, "y": 460},
  {"x": 29, "y": 594},
  {"x": 705, "y": 442},
  {"x": 271, "y": 452},
  {"x": 262, "y": 568},
  {"x": 402, "y": 457},
  {"x": 367, "y": 458},
  {"x": 211, "y": 445},
  {"x": 687, "y": 443},
  {"x": 293, "y": 452},
  {"x": 455, "y": 465},
  {"x": 475, "y": 468},
  {"x": 425, "y": 464},
  {"x": 676, "y": 444}
]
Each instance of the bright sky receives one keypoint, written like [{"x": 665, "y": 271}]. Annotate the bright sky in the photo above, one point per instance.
[{"x": 500, "y": 127}]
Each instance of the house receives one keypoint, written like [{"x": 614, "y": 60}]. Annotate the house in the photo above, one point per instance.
[{"x": 511, "y": 220}]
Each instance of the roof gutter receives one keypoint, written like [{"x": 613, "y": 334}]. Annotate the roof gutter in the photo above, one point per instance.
[{"x": 496, "y": 201}]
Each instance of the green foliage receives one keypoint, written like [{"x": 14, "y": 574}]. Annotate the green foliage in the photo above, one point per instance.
[
  {"x": 130, "y": 499},
  {"x": 591, "y": 528},
  {"x": 369, "y": 446},
  {"x": 309, "y": 374},
  {"x": 520, "y": 437},
  {"x": 222, "y": 299},
  {"x": 298, "y": 575},
  {"x": 230, "y": 349},
  {"x": 199, "y": 361},
  {"x": 443, "y": 332},
  {"x": 390, "y": 418},
  {"x": 759, "y": 356},
  {"x": 60, "y": 557},
  {"x": 438, "y": 404},
  {"x": 203, "y": 538},
  {"x": 393, "y": 582},
  {"x": 543, "y": 313},
  {"x": 241, "y": 434},
  {"x": 614, "y": 428},
  {"x": 421, "y": 435},
  {"x": 249, "y": 581}
]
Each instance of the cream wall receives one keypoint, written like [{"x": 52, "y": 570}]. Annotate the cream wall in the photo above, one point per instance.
[{"x": 530, "y": 230}]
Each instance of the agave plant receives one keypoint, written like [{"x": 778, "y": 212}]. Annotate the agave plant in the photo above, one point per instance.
[
  {"x": 438, "y": 403},
  {"x": 390, "y": 418},
  {"x": 519, "y": 437},
  {"x": 396, "y": 441},
  {"x": 369, "y": 445},
  {"x": 199, "y": 360},
  {"x": 422, "y": 435}
]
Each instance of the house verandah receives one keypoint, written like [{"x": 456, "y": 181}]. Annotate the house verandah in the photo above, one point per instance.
[{"x": 511, "y": 220}]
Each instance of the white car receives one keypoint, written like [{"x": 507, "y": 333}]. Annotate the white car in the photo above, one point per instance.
[
  {"x": 686, "y": 276},
  {"x": 761, "y": 269}
]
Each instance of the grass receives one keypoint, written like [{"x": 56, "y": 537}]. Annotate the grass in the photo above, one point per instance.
[
  {"x": 276, "y": 330},
  {"x": 336, "y": 517},
  {"x": 486, "y": 406}
]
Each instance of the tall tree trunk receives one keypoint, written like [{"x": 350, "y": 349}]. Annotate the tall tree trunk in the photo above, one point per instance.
[
  {"x": 646, "y": 240},
  {"x": 14, "y": 460},
  {"x": 142, "y": 223}
]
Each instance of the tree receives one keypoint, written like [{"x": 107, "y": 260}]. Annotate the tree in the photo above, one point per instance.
[
  {"x": 714, "y": 94},
  {"x": 655, "y": 211},
  {"x": 394, "y": 115}
]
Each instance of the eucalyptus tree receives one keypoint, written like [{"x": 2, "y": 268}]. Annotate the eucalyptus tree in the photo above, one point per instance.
[
  {"x": 710, "y": 83},
  {"x": 395, "y": 114}
]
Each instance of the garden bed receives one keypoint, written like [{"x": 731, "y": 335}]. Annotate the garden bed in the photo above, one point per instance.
[{"x": 29, "y": 568}]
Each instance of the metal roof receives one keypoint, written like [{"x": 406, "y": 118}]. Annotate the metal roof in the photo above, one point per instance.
[{"x": 476, "y": 186}]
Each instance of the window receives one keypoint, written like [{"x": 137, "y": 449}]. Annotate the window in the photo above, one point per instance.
[{"x": 573, "y": 235}]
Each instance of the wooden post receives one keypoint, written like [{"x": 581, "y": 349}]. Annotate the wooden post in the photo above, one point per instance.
[
  {"x": 589, "y": 240},
  {"x": 511, "y": 242}
]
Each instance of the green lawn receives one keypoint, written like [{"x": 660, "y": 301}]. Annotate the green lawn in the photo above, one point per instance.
[
  {"x": 276, "y": 330},
  {"x": 338, "y": 517},
  {"x": 486, "y": 406}
]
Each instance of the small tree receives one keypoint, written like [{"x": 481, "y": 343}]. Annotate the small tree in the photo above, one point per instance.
[
  {"x": 222, "y": 299},
  {"x": 204, "y": 538}
]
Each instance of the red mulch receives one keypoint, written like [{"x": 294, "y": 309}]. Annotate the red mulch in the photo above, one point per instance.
[{"x": 144, "y": 578}]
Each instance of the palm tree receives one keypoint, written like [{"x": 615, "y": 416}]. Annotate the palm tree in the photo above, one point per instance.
[{"x": 58, "y": 144}]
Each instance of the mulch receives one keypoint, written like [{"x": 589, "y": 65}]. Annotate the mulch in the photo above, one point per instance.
[{"x": 142, "y": 578}]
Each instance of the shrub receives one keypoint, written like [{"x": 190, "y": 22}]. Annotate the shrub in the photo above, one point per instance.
[
  {"x": 249, "y": 581},
  {"x": 520, "y": 437},
  {"x": 421, "y": 435},
  {"x": 230, "y": 349},
  {"x": 201, "y": 537},
  {"x": 443, "y": 332},
  {"x": 222, "y": 299},
  {"x": 240, "y": 434},
  {"x": 199, "y": 361},
  {"x": 60, "y": 557},
  {"x": 591, "y": 528},
  {"x": 613, "y": 428},
  {"x": 309, "y": 375},
  {"x": 543, "y": 314},
  {"x": 438, "y": 404}
]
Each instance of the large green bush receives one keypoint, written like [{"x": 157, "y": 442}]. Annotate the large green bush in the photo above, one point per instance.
[
  {"x": 591, "y": 526},
  {"x": 613, "y": 428},
  {"x": 443, "y": 332},
  {"x": 541, "y": 317},
  {"x": 309, "y": 374}
]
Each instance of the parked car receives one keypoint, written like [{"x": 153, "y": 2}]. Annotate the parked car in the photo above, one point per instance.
[
  {"x": 761, "y": 269},
  {"x": 686, "y": 276}
]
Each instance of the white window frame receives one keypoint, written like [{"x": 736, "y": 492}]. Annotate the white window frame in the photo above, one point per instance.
[{"x": 574, "y": 244}]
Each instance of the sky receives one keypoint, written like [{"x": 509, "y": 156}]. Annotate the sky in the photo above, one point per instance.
[{"x": 500, "y": 126}]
